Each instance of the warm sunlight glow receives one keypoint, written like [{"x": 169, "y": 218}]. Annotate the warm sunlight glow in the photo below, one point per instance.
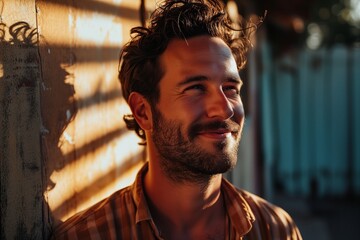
[
  {"x": 1, "y": 70},
  {"x": 94, "y": 29},
  {"x": 96, "y": 177},
  {"x": 91, "y": 28},
  {"x": 91, "y": 153},
  {"x": 99, "y": 100},
  {"x": 233, "y": 11}
]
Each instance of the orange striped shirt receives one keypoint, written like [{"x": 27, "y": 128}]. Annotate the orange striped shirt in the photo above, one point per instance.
[{"x": 125, "y": 215}]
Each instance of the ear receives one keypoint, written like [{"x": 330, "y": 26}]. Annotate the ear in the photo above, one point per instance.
[{"x": 141, "y": 110}]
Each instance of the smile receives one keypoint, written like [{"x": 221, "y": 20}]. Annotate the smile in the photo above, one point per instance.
[{"x": 219, "y": 134}]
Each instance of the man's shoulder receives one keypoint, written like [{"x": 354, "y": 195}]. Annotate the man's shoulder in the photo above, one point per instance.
[
  {"x": 262, "y": 207},
  {"x": 279, "y": 224},
  {"x": 254, "y": 199},
  {"x": 268, "y": 218},
  {"x": 242, "y": 196},
  {"x": 97, "y": 212}
]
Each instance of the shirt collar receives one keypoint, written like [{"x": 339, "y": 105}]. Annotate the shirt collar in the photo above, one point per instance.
[
  {"x": 142, "y": 212},
  {"x": 238, "y": 210}
]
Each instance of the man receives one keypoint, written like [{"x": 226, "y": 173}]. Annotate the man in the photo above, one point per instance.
[{"x": 181, "y": 80}]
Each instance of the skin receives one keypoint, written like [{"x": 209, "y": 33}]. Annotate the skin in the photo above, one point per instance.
[{"x": 200, "y": 86}]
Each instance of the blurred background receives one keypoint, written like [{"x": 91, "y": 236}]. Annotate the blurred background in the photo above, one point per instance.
[
  {"x": 64, "y": 146},
  {"x": 304, "y": 103}
]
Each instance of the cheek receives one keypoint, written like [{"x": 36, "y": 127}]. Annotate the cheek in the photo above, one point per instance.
[
  {"x": 186, "y": 110},
  {"x": 186, "y": 116},
  {"x": 177, "y": 115}
]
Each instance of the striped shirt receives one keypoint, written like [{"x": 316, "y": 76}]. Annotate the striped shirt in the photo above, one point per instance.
[{"x": 125, "y": 215}]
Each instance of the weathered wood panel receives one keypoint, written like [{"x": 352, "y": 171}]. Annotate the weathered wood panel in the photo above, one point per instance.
[
  {"x": 21, "y": 188},
  {"x": 63, "y": 143}
]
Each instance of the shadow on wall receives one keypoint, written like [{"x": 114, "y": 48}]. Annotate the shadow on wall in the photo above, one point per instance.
[
  {"x": 58, "y": 108},
  {"x": 32, "y": 130},
  {"x": 20, "y": 174},
  {"x": 23, "y": 176}
]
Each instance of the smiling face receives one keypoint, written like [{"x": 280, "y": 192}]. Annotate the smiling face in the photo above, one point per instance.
[{"x": 198, "y": 119}]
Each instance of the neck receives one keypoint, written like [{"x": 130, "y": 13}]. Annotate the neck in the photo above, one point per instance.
[{"x": 184, "y": 207}]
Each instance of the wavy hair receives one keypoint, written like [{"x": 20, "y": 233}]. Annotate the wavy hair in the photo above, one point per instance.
[{"x": 139, "y": 69}]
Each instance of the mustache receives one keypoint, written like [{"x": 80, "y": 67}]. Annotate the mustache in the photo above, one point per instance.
[{"x": 229, "y": 125}]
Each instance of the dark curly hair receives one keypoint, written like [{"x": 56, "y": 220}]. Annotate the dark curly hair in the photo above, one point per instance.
[{"x": 140, "y": 70}]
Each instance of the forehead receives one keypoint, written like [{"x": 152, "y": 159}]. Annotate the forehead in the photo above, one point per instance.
[
  {"x": 197, "y": 49},
  {"x": 202, "y": 55}
]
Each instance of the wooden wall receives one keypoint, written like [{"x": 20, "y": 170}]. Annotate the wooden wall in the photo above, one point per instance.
[{"x": 63, "y": 144}]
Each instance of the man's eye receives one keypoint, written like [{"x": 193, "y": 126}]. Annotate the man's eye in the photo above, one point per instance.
[
  {"x": 195, "y": 87},
  {"x": 231, "y": 90}
]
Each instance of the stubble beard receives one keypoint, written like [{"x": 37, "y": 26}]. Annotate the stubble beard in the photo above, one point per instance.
[{"x": 183, "y": 159}]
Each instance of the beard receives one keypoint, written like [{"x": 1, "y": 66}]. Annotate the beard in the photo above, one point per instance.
[{"x": 183, "y": 159}]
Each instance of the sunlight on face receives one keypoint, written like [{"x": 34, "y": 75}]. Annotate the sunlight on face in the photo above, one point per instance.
[{"x": 199, "y": 117}]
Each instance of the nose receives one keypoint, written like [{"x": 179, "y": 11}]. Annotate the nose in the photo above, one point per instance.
[{"x": 219, "y": 106}]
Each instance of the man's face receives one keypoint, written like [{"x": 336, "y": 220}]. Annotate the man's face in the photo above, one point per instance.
[{"x": 199, "y": 116}]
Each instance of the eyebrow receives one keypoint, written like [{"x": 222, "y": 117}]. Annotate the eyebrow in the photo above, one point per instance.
[
  {"x": 198, "y": 78},
  {"x": 201, "y": 78},
  {"x": 234, "y": 79}
]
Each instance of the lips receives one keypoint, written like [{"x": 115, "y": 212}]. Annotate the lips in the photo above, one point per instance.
[
  {"x": 216, "y": 129},
  {"x": 217, "y": 133}
]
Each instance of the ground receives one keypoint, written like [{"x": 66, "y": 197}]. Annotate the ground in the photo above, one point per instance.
[{"x": 325, "y": 218}]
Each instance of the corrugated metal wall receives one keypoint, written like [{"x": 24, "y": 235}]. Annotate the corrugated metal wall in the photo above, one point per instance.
[{"x": 310, "y": 121}]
